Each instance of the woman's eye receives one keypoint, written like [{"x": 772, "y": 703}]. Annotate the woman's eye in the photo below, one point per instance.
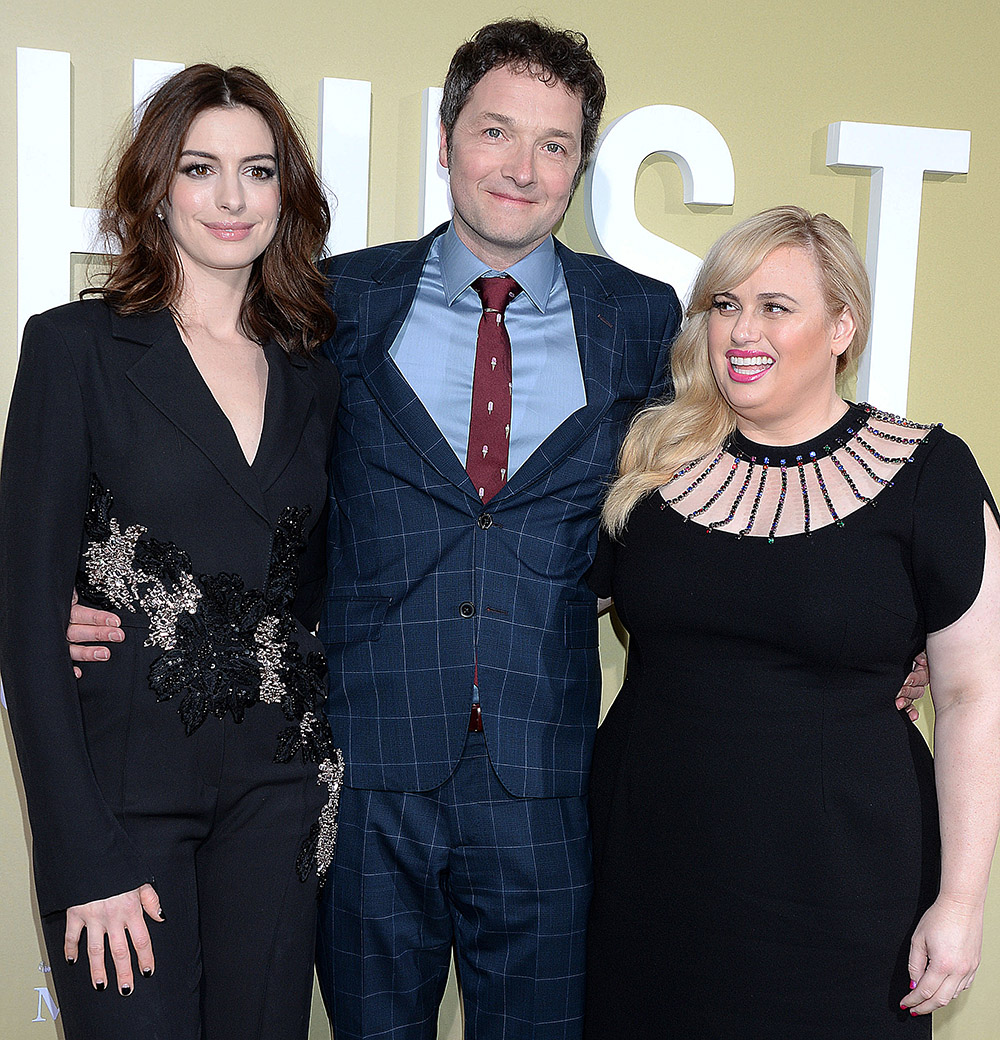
[
  {"x": 261, "y": 173},
  {"x": 197, "y": 170}
]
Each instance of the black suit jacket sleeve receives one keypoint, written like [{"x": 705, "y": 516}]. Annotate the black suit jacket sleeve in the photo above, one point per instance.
[{"x": 80, "y": 850}]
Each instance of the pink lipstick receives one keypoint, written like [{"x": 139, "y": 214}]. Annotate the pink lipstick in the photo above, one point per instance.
[
  {"x": 747, "y": 366},
  {"x": 229, "y": 231}
]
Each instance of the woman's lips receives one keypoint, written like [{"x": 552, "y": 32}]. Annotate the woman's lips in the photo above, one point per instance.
[
  {"x": 230, "y": 232},
  {"x": 747, "y": 366}
]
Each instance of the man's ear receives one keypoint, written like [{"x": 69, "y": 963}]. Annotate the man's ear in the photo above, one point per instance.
[{"x": 442, "y": 147}]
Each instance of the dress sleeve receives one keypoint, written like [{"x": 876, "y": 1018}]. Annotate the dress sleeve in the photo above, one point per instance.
[
  {"x": 601, "y": 570},
  {"x": 949, "y": 539},
  {"x": 80, "y": 850}
]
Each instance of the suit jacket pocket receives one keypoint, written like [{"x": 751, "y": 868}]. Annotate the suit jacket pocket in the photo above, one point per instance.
[
  {"x": 353, "y": 619},
  {"x": 581, "y": 625}
]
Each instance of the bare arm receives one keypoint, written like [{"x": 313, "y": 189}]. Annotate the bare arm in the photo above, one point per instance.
[{"x": 965, "y": 658}]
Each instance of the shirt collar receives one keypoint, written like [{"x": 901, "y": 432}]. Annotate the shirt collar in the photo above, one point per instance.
[{"x": 460, "y": 267}]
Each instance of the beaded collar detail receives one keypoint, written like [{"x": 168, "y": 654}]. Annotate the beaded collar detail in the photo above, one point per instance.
[{"x": 760, "y": 490}]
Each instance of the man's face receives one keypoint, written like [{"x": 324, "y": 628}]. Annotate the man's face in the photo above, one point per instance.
[{"x": 514, "y": 153}]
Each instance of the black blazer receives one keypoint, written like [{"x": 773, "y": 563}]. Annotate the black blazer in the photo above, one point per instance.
[{"x": 118, "y": 400}]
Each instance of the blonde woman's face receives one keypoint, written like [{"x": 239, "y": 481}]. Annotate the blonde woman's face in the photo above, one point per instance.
[{"x": 774, "y": 348}]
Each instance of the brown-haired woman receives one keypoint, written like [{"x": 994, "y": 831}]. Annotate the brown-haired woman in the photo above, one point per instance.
[{"x": 165, "y": 454}]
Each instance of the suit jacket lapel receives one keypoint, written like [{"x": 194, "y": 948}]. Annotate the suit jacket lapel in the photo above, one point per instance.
[
  {"x": 168, "y": 378},
  {"x": 382, "y": 312},
  {"x": 601, "y": 342}
]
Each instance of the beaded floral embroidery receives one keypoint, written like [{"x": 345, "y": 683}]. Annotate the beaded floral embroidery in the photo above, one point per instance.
[
  {"x": 851, "y": 460},
  {"x": 225, "y": 647}
]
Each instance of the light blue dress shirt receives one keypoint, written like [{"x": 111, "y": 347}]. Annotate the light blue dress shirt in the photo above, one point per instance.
[{"x": 436, "y": 347}]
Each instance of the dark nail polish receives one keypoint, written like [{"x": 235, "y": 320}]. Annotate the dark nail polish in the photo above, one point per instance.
[
  {"x": 71, "y": 960},
  {"x": 160, "y": 914},
  {"x": 99, "y": 985},
  {"x": 125, "y": 990},
  {"x": 146, "y": 972}
]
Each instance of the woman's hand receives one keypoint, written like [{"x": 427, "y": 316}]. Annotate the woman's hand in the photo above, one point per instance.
[
  {"x": 113, "y": 918},
  {"x": 944, "y": 954}
]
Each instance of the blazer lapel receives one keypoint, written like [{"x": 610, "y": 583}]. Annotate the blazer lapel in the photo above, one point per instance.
[
  {"x": 290, "y": 394},
  {"x": 601, "y": 342},
  {"x": 381, "y": 315},
  {"x": 168, "y": 378}
]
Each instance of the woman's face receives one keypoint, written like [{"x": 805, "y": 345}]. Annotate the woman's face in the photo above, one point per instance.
[
  {"x": 222, "y": 209},
  {"x": 774, "y": 348}
]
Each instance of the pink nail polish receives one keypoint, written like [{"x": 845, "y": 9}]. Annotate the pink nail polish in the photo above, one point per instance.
[
  {"x": 913, "y": 1014},
  {"x": 913, "y": 985}
]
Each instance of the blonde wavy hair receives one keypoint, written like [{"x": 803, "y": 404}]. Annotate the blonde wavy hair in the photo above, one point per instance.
[{"x": 665, "y": 437}]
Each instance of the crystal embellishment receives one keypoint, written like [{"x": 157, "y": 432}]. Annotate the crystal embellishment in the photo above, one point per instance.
[
  {"x": 828, "y": 483},
  {"x": 225, "y": 647}
]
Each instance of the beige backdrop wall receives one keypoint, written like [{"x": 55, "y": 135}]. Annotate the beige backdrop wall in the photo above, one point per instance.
[{"x": 770, "y": 75}]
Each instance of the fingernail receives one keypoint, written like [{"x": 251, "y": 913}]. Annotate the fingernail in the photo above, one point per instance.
[
  {"x": 99, "y": 985},
  {"x": 913, "y": 1014},
  {"x": 116, "y": 635},
  {"x": 125, "y": 990},
  {"x": 102, "y": 654},
  {"x": 146, "y": 972},
  {"x": 913, "y": 985},
  {"x": 160, "y": 914},
  {"x": 71, "y": 960}
]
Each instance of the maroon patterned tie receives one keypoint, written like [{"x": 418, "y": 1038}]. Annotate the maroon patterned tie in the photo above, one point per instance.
[{"x": 489, "y": 423}]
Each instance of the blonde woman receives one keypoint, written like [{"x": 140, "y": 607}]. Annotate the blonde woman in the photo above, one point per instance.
[{"x": 769, "y": 860}]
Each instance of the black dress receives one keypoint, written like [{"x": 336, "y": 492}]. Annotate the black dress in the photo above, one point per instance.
[{"x": 764, "y": 819}]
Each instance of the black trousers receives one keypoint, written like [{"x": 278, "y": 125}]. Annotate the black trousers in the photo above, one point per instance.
[{"x": 221, "y": 824}]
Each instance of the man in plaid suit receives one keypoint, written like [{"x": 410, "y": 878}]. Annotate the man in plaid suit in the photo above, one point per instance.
[{"x": 461, "y": 636}]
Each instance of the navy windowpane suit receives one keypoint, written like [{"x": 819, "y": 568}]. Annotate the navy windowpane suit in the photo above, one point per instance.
[{"x": 425, "y": 581}]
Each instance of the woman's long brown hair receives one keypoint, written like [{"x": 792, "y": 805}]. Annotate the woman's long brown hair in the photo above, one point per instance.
[{"x": 285, "y": 298}]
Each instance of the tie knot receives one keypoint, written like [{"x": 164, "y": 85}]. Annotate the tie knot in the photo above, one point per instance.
[{"x": 496, "y": 293}]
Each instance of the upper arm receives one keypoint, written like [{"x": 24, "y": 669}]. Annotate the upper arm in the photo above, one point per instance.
[
  {"x": 964, "y": 656},
  {"x": 956, "y": 566},
  {"x": 45, "y": 477}
]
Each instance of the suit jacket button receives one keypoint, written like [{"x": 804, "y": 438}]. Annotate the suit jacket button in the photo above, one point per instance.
[
  {"x": 466, "y": 609},
  {"x": 485, "y": 520}
]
